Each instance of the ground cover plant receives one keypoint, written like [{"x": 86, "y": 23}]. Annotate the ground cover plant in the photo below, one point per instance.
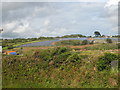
[
  {"x": 69, "y": 42},
  {"x": 103, "y": 46},
  {"x": 104, "y": 62},
  {"x": 108, "y": 40},
  {"x": 59, "y": 44},
  {"x": 59, "y": 67}
]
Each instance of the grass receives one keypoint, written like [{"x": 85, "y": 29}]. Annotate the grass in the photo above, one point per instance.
[
  {"x": 34, "y": 71},
  {"x": 59, "y": 67},
  {"x": 69, "y": 42},
  {"x": 106, "y": 46}
]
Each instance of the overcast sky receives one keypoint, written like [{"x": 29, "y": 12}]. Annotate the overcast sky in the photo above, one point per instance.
[{"x": 35, "y": 19}]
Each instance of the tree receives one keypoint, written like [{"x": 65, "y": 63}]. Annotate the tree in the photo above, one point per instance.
[{"x": 97, "y": 34}]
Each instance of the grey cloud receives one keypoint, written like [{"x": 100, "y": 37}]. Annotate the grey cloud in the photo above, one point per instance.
[
  {"x": 53, "y": 19},
  {"x": 19, "y": 10}
]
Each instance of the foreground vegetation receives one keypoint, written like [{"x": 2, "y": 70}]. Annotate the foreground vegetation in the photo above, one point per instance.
[
  {"x": 68, "y": 64},
  {"x": 60, "y": 67}
]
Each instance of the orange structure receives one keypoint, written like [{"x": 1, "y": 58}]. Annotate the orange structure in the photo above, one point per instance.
[{"x": 8, "y": 52}]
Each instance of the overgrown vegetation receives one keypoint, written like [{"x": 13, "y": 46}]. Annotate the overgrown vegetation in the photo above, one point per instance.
[
  {"x": 108, "y": 40},
  {"x": 104, "y": 62},
  {"x": 74, "y": 42},
  {"x": 85, "y": 42},
  {"x": 106, "y": 46},
  {"x": 59, "y": 56},
  {"x": 74, "y": 65},
  {"x": 59, "y": 67},
  {"x": 69, "y": 42}
]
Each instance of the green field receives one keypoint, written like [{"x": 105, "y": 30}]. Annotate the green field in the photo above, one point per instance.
[{"x": 69, "y": 42}]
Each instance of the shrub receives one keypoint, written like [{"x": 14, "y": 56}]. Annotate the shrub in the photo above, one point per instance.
[
  {"x": 104, "y": 62},
  {"x": 10, "y": 47},
  {"x": 69, "y": 42},
  {"x": 44, "y": 54},
  {"x": 62, "y": 57},
  {"x": 74, "y": 58},
  {"x": 106, "y": 46},
  {"x": 60, "y": 54},
  {"x": 109, "y": 40},
  {"x": 84, "y": 42},
  {"x": 59, "y": 50},
  {"x": 50, "y": 54}
]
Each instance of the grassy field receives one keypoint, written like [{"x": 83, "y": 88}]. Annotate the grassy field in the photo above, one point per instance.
[
  {"x": 68, "y": 42},
  {"x": 60, "y": 67},
  {"x": 107, "y": 46}
]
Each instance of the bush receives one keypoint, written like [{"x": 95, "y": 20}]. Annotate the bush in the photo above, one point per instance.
[
  {"x": 10, "y": 47},
  {"x": 59, "y": 56},
  {"x": 50, "y": 54},
  {"x": 62, "y": 57},
  {"x": 59, "y": 50},
  {"x": 109, "y": 40},
  {"x": 74, "y": 58},
  {"x": 43, "y": 54},
  {"x": 104, "y": 62},
  {"x": 69, "y": 42},
  {"x": 84, "y": 42},
  {"x": 106, "y": 46}
]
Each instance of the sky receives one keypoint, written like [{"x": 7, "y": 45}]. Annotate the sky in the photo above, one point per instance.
[{"x": 36, "y": 19}]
